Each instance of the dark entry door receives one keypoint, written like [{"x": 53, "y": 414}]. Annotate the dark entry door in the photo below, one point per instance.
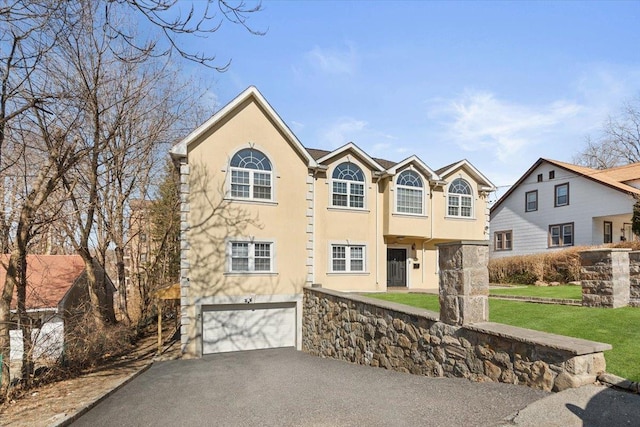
[{"x": 396, "y": 267}]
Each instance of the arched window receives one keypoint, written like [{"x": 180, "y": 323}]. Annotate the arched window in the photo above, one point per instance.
[
  {"x": 460, "y": 199},
  {"x": 409, "y": 194},
  {"x": 347, "y": 186},
  {"x": 250, "y": 175}
]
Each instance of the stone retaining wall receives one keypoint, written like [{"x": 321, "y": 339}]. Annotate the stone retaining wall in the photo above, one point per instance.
[{"x": 393, "y": 336}]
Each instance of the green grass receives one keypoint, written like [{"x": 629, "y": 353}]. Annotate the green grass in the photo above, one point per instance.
[
  {"x": 619, "y": 327},
  {"x": 426, "y": 301},
  {"x": 563, "y": 292}
]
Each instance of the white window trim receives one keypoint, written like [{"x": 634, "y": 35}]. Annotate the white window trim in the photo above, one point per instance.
[
  {"x": 250, "y": 199},
  {"x": 470, "y": 196},
  {"x": 251, "y": 185},
  {"x": 473, "y": 211},
  {"x": 365, "y": 188},
  {"x": 252, "y": 242},
  {"x": 395, "y": 195},
  {"x": 347, "y": 245}
]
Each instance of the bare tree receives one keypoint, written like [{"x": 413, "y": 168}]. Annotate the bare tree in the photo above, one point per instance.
[
  {"x": 38, "y": 159},
  {"x": 619, "y": 142},
  {"x": 59, "y": 97},
  {"x": 198, "y": 19}
]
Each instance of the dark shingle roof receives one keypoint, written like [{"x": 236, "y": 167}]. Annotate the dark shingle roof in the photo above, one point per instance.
[
  {"x": 444, "y": 168},
  {"x": 317, "y": 153}
]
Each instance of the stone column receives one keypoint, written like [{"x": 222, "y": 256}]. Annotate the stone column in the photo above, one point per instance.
[
  {"x": 464, "y": 282},
  {"x": 634, "y": 275},
  {"x": 604, "y": 274}
]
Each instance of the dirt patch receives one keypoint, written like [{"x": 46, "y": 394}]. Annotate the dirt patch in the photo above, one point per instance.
[{"x": 51, "y": 403}]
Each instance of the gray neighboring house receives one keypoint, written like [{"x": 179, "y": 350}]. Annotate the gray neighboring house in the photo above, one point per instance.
[{"x": 555, "y": 205}]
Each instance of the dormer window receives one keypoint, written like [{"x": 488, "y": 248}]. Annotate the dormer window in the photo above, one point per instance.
[
  {"x": 251, "y": 175},
  {"x": 347, "y": 186},
  {"x": 409, "y": 193}
]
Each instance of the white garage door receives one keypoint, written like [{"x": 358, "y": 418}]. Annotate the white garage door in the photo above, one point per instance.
[{"x": 248, "y": 327}]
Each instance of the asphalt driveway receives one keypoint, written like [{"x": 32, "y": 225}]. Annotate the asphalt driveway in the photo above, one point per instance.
[{"x": 284, "y": 387}]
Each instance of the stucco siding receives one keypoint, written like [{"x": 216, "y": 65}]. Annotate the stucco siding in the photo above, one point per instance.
[
  {"x": 346, "y": 226},
  {"x": 215, "y": 219},
  {"x": 456, "y": 228}
]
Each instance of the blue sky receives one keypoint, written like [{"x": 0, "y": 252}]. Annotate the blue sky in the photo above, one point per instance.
[{"x": 498, "y": 83}]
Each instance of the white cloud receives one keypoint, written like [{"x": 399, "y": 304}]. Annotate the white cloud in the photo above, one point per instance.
[
  {"x": 345, "y": 129},
  {"x": 373, "y": 141},
  {"x": 479, "y": 121},
  {"x": 334, "y": 61},
  {"x": 297, "y": 126}
]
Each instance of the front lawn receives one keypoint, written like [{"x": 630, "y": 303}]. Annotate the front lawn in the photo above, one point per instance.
[
  {"x": 562, "y": 292},
  {"x": 619, "y": 327}
]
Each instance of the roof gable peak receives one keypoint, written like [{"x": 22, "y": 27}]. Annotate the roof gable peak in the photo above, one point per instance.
[
  {"x": 350, "y": 146},
  {"x": 180, "y": 149}
]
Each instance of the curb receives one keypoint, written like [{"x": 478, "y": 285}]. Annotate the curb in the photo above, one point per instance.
[
  {"x": 619, "y": 382},
  {"x": 541, "y": 300},
  {"x": 86, "y": 408}
]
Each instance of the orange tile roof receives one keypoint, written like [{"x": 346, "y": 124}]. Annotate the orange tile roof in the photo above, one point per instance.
[
  {"x": 49, "y": 277},
  {"x": 610, "y": 177},
  {"x": 623, "y": 173}
]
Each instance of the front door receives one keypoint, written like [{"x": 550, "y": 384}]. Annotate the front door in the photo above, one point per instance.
[
  {"x": 628, "y": 233},
  {"x": 396, "y": 267}
]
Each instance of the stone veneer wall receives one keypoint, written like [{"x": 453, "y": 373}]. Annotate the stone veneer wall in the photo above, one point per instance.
[
  {"x": 634, "y": 277},
  {"x": 393, "y": 336}
]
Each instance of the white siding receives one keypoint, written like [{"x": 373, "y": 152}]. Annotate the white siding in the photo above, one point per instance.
[
  {"x": 48, "y": 341},
  {"x": 587, "y": 199}
]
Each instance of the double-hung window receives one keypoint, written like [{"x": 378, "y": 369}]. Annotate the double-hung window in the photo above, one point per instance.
[
  {"x": 561, "y": 195},
  {"x": 503, "y": 241},
  {"x": 460, "y": 199},
  {"x": 250, "y": 257},
  {"x": 347, "y": 186},
  {"x": 531, "y": 201},
  {"x": 347, "y": 258},
  {"x": 409, "y": 193},
  {"x": 561, "y": 235},
  {"x": 251, "y": 175}
]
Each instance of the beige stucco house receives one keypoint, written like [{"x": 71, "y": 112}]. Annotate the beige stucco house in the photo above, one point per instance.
[{"x": 263, "y": 216}]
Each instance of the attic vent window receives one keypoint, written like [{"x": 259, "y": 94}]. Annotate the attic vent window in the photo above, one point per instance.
[
  {"x": 552, "y": 174},
  {"x": 539, "y": 177}
]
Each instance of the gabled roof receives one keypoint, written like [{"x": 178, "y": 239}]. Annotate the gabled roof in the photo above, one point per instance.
[
  {"x": 180, "y": 149},
  {"x": 354, "y": 148},
  {"x": 487, "y": 185},
  {"x": 433, "y": 176},
  {"x": 316, "y": 156},
  {"x": 604, "y": 177},
  {"x": 49, "y": 277}
]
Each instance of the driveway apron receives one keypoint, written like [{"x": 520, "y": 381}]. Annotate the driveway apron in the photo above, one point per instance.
[{"x": 284, "y": 387}]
